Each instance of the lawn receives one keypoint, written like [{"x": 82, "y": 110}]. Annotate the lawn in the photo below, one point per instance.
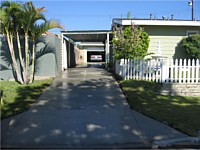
[
  {"x": 18, "y": 98},
  {"x": 181, "y": 113}
]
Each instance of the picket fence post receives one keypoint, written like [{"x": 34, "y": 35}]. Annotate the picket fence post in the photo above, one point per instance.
[
  {"x": 193, "y": 67},
  {"x": 176, "y": 70},
  {"x": 197, "y": 71}
]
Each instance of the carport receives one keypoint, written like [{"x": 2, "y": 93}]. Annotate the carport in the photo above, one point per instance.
[{"x": 69, "y": 38}]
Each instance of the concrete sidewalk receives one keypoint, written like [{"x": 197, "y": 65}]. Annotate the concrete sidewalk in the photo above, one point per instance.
[{"x": 84, "y": 108}]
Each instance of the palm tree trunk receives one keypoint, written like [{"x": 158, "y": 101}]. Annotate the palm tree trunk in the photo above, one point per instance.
[
  {"x": 20, "y": 56},
  {"x": 14, "y": 62},
  {"x": 27, "y": 59},
  {"x": 33, "y": 63}
]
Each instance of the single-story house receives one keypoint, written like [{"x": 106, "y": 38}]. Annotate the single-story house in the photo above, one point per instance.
[{"x": 165, "y": 34}]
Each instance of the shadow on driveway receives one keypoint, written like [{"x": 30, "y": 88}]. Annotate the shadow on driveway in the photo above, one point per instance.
[{"x": 84, "y": 108}]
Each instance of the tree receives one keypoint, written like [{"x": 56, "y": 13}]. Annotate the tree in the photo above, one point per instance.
[
  {"x": 130, "y": 43},
  {"x": 192, "y": 46},
  {"x": 8, "y": 23},
  {"x": 38, "y": 31},
  {"x": 28, "y": 22},
  {"x": 28, "y": 18}
]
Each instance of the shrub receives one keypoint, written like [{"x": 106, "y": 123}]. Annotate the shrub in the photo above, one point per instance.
[
  {"x": 192, "y": 46},
  {"x": 130, "y": 42}
]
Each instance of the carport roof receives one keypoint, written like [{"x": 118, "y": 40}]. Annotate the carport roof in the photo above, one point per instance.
[{"x": 88, "y": 35}]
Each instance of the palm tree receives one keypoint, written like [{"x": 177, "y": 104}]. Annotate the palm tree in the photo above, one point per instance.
[
  {"x": 28, "y": 18},
  {"x": 32, "y": 30},
  {"x": 7, "y": 18},
  {"x": 37, "y": 31},
  {"x": 17, "y": 19}
]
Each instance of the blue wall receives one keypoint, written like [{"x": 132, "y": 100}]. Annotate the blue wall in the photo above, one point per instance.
[{"x": 48, "y": 61}]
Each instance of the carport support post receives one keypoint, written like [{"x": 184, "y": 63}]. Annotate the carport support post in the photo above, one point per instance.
[
  {"x": 69, "y": 53},
  {"x": 64, "y": 53},
  {"x": 107, "y": 49}
]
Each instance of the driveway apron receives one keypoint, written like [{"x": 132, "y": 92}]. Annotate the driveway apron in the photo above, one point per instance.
[{"x": 84, "y": 107}]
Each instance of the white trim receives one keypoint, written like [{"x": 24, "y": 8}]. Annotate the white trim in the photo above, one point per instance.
[
  {"x": 94, "y": 50},
  {"x": 107, "y": 49},
  {"x": 64, "y": 53},
  {"x": 72, "y": 33},
  {"x": 191, "y": 31},
  {"x": 91, "y": 44},
  {"x": 158, "y": 22}
]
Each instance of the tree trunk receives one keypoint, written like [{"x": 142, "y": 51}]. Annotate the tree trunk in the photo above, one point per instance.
[
  {"x": 33, "y": 63},
  {"x": 14, "y": 62},
  {"x": 20, "y": 57},
  {"x": 26, "y": 59}
]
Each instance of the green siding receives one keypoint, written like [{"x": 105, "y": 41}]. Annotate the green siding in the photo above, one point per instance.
[{"x": 169, "y": 38}]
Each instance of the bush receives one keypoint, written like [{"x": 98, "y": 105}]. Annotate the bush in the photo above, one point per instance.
[
  {"x": 192, "y": 46},
  {"x": 130, "y": 42}
]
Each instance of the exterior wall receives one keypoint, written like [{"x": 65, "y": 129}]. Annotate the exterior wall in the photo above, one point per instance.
[
  {"x": 47, "y": 58},
  {"x": 5, "y": 67},
  {"x": 183, "y": 89},
  {"x": 169, "y": 37},
  {"x": 81, "y": 56},
  {"x": 49, "y": 64},
  {"x": 71, "y": 58}
]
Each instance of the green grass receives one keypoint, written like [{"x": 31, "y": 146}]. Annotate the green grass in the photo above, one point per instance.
[
  {"x": 179, "y": 112},
  {"x": 18, "y": 98}
]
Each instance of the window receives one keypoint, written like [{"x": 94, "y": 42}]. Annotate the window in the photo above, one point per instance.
[{"x": 191, "y": 33}]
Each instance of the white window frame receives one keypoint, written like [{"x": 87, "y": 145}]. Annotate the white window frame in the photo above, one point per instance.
[{"x": 190, "y": 32}]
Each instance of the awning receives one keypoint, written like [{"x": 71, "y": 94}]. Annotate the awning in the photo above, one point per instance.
[{"x": 88, "y": 35}]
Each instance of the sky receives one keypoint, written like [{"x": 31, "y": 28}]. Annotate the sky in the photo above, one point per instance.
[{"x": 98, "y": 14}]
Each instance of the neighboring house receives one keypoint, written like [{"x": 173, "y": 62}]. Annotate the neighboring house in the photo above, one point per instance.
[{"x": 165, "y": 35}]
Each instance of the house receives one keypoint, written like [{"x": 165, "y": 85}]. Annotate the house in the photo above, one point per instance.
[
  {"x": 84, "y": 46},
  {"x": 165, "y": 34}
]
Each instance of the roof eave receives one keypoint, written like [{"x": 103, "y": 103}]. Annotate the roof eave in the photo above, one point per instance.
[{"x": 157, "y": 22}]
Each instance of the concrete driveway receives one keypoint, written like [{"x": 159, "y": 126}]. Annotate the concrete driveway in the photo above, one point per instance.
[{"x": 84, "y": 108}]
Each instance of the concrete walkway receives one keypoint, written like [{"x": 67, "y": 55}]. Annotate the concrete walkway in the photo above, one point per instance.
[{"x": 84, "y": 108}]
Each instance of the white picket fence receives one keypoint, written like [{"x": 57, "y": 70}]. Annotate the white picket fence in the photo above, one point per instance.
[{"x": 160, "y": 70}]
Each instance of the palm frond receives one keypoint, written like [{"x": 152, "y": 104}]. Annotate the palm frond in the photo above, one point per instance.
[
  {"x": 38, "y": 30},
  {"x": 3, "y": 16},
  {"x": 53, "y": 23}
]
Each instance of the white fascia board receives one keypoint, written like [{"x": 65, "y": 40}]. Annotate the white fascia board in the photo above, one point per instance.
[
  {"x": 72, "y": 33},
  {"x": 91, "y": 44},
  {"x": 161, "y": 23},
  {"x": 90, "y": 50}
]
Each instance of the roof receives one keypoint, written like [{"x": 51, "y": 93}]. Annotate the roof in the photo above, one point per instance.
[
  {"x": 156, "y": 22},
  {"x": 87, "y": 35}
]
